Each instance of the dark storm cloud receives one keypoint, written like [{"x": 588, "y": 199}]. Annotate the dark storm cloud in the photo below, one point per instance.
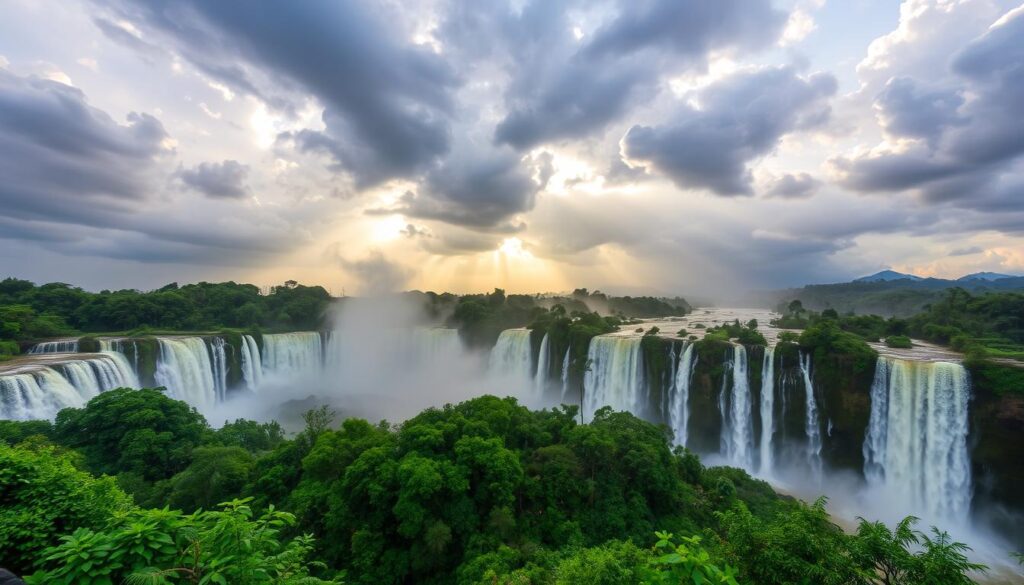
[
  {"x": 565, "y": 89},
  {"x": 387, "y": 102},
  {"x": 793, "y": 186},
  {"x": 908, "y": 110},
  {"x": 225, "y": 179},
  {"x": 79, "y": 183},
  {"x": 63, "y": 160},
  {"x": 479, "y": 192},
  {"x": 742, "y": 117},
  {"x": 974, "y": 145},
  {"x": 688, "y": 28}
]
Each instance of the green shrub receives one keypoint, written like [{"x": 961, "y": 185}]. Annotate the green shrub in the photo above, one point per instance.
[
  {"x": 899, "y": 342},
  {"x": 42, "y": 496},
  {"x": 228, "y": 546}
]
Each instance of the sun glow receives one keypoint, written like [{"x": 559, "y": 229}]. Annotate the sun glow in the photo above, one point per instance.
[{"x": 513, "y": 248}]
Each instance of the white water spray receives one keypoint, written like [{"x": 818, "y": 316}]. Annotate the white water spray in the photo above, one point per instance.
[
  {"x": 510, "y": 358},
  {"x": 252, "y": 366},
  {"x": 540, "y": 379},
  {"x": 679, "y": 402},
  {"x": 292, "y": 353},
  {"x": 615, "y": 376},
  {"x": 812, "y": 426},
  {"x": 565, "y": 374},
  {"x": 185, "y": 369},
  {"x": 767, "y": 410},
  {"x": 58, "y": 346},
  {"x": 916, "y": 446},
  {"x": 737, "y": 424}
]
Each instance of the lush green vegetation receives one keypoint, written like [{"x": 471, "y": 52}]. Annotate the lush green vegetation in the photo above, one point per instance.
[
  {"x": 29, "y": 312},
  {"x": 899, "y": 298},
  {"x": 230, "y": 545},
  {"x": 481, "y": 492},
  {"x": 481, "y": 318},
  {"x": 988, "y": 328},
  {"x": 899, "y": 342},
  {"x": 744, "y": 333}
]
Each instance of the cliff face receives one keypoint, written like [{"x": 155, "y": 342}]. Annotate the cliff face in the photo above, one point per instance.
[{"x": 842, "y": 390}]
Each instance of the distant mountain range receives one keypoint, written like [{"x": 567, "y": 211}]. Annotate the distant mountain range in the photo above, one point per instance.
[
  {"x": 989, "y": 276},
  {"x": 892, "y": 275},
  {"x": 886, "y": 293},
  {"x": 886, "y": 276}
]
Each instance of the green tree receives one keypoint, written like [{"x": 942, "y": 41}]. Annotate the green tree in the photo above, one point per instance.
[
  {"x": 216, "y": 474},
  {"x": 138, "y": 431},
  {"x": 228, "y": 546},
  {"x": 42, "y": 496}
]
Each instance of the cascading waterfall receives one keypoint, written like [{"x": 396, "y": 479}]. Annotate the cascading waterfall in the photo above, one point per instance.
[
  {"x": 219, "y": 361},
  {"x": 565, "y": 374},
  {"x": 616, "y": 375},
  {"x": 292, "y": 353},
  {"x": 430, "y": 343},
  {"x": 679, "y": 402},
  {"x": 540, "y": 379},
  {"x": 185, "y": 369},
  {"x": 767, "y": 410},
  {"x": 811, "y": 424},
  {"x": 58, "y": 346},
  {"x": 510, "y": 358},
  {"x": 36, "y": 395},
  {"x": 916, "y": 445},
  {"x": 252, "y": 367},
  {"x": 737, "y": 435},
  {"x": 116, "y": 349},
  {"x": 44, "y": 391}
]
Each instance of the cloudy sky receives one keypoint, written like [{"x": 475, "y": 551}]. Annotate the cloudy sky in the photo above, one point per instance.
[{"x": 671, "y": 146}]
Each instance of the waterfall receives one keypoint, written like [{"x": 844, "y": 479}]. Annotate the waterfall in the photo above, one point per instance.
[
  {"x": 565, "y": 374},
  {"x": 431, "y": 343},
  {"x": 252, "y": 367},
  {"x": 679, "y": 402},
  {"x": 510, "y": 357},
  {"x": 219, "y": 361},
  {"x": 43, "y": 391},
  {"x": 737, "y": 435},
  {"x": 184, "y": 368},
  {"x": 916, "y": 445},
  {"x": 540, "y": 379},
  {"x": 36, "y": 395},
  {"x": 615, "y": 376},
  {"x": 116, "y": 349},
  {"x": 292, "y": 353},
  {"x": 767, "y": 410},
  {"x": 811, "y": 425},
  {"x": 58, "y": 346}
]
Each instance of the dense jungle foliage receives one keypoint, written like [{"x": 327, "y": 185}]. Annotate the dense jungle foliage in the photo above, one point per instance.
[
  {"x": 483, "y": 492},
  {"x": 482, "y": 318},
  {"x": 988, "y": 328},
  {"x": 30, "y": 312},
  {"x": 900, "y": 298}
]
